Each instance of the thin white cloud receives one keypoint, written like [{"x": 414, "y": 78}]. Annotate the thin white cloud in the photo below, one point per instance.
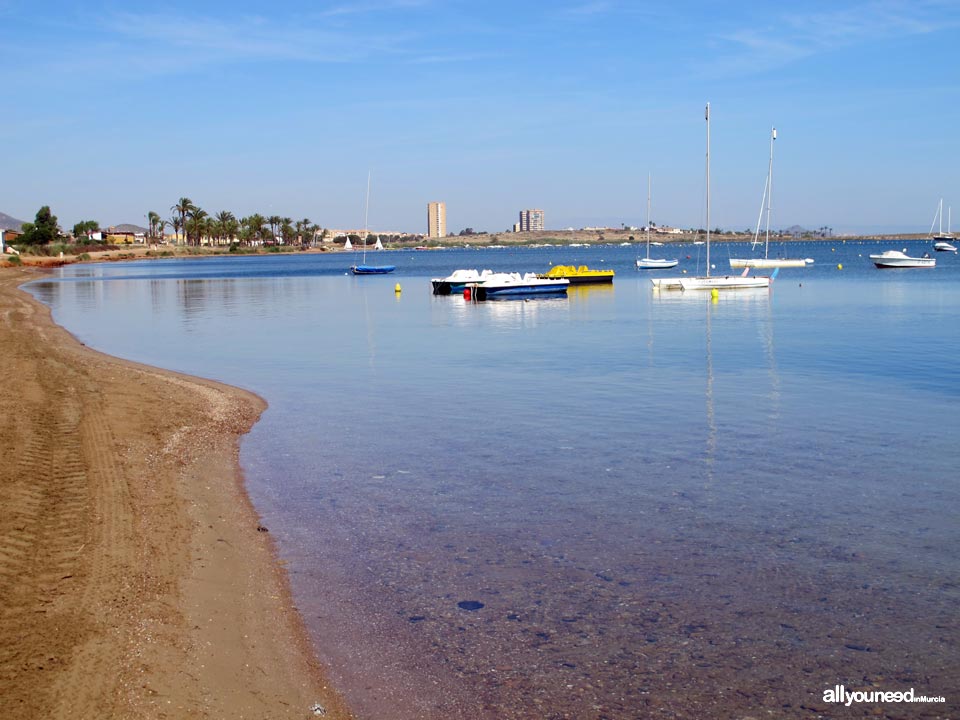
[
  {"x": 360, "y": 8},
  {"x": 246, "y": 38},
  {"x": 795, "y": 36}
]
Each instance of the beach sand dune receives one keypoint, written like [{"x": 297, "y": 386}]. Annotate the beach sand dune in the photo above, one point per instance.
[{"x": 135, "y": 580}]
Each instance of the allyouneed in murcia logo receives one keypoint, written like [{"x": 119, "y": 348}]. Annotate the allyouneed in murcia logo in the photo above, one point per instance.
[{"x": 839, "y": 694}]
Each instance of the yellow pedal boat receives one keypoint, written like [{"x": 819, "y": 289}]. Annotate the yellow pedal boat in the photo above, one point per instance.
[{"x": 575, "y": 275}]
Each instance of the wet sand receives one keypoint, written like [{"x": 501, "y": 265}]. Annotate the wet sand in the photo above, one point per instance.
[{"x": 135, "y": 578}]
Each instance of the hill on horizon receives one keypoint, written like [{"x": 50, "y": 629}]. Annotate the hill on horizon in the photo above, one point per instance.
[{"x": 10, "y": 223}]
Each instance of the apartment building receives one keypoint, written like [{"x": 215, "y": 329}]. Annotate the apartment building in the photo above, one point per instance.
[
  {"x": 436, "y": 219},
  {"x": 531, "y": 220}
]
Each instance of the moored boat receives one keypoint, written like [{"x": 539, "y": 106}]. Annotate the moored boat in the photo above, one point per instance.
[
  {"x": 647, "y": 262},
  {"x": 456, "y": 281},
  {"x": 516, "y": 285},
  {"x": 943, "y": 242},
  {"x": 769, "y": 262},
  {"x": 900, "y": 259},
  {"x": 766, "y": 261},
  {"x": 372, "y": 269},
  {"x": 724, "y": 282},
  {"x": 577, "y": 275}
]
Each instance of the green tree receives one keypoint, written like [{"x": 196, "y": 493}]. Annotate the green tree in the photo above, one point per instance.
[
  {"x": 183, "y": 207},
  {"x": 42, "y": 230},
  {"x": 153, "y": 220},
  {"x": 196, "y": 223},
  {"x": 177, "y": 224},
  {"x": 85, "y": 227}
]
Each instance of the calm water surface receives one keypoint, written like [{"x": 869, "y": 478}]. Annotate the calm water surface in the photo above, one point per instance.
[{"x": 617, "y": 505}]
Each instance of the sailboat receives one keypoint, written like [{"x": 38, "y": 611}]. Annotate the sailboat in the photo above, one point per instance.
[
  {"x": 766, "y": 261},
  {"x": 647, "y": 262},
  {"x": 363, "y": 268},
  {"x": 941, "y": 242},
  {"x": 708, "y": 282}
]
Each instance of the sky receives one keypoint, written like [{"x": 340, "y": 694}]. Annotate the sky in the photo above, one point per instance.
[{"x": 114, "y": 109}]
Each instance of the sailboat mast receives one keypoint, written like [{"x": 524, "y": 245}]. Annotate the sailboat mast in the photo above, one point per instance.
[
  {"x": 940, "y": 216},
  {"x": 773, "y": 136},
  {"x": 366, "y": 213},
  {"x": 648, "y": 216},
  {"x": 707, "y": 115}
]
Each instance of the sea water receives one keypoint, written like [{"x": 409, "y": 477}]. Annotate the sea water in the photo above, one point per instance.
[{"x": 619, "y": 504}]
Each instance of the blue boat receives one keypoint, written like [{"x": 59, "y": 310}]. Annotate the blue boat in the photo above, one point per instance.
[
  {"x": 362, "y": 268},
  {"x": 509, "y": 285},
  {"x": 372, "y": 269}
]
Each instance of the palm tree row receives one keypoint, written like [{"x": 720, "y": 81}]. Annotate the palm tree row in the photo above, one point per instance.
[{"x": 224, "y": 228}]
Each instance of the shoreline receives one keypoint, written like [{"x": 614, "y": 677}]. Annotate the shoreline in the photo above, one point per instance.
[
  {"x": 135, "y": 578},
  {"x": 559, "y": 238}
]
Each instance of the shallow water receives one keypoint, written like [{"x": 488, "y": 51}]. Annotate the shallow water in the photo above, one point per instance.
[{"x": 620, "y": 504}]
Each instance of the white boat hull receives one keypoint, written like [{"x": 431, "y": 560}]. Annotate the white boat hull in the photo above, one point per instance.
[
  {"x": 897, "y": 259},
  {"x": 724, "y": 282},
  {"x": 944, "y": 246},
  {"x": 666, "y": 283},
  {"x": 653, "y": 264},
  {"x": 770, "y": 262}
]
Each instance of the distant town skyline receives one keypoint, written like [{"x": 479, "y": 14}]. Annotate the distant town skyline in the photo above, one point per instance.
[{"x": 115, "y": 111}]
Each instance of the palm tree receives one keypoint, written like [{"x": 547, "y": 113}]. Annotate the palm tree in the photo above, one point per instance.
[
  {"x": 196, "y": 221},
  {"x": 152, "y": 220},
  {"x": 162, "y": 225},
  {"x": 274, "y": 222},
  {"x": 177, "y": 224},
  {"x": 225, "y": 221},
  {"x": 184, "y": 206},
  {"x": 254, "y": 225},
  {"x": 286, "y": 229}
]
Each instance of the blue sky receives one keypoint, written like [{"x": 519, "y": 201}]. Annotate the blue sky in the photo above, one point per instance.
[{"x": 117, "y": 108}]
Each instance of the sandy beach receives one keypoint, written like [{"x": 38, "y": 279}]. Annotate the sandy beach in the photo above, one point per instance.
[{"x": 135, "y": 578}]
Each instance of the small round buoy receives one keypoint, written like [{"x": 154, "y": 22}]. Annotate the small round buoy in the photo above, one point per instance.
[
  {"x": 839, "y": 266},
  {"x": 714, "y": 293},
  {"x": 466, "y": 293},
  {"x": 397, "y": 289}
]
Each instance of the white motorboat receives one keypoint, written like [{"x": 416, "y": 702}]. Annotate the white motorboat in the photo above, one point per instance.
[
  {"x": 900, "y": 259},
  {"x": 944, "y": 246}
]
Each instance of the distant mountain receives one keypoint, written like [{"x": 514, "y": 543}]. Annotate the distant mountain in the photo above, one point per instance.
[{"x": 10, "y": 223}]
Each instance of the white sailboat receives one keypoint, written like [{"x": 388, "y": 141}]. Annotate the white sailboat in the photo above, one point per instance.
[
  {"x": 716, "y": 282},
  {"x": 942, "y": 242},
  {"x": 766, "y": 261},
  {"x": 647, "y": 262}
]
